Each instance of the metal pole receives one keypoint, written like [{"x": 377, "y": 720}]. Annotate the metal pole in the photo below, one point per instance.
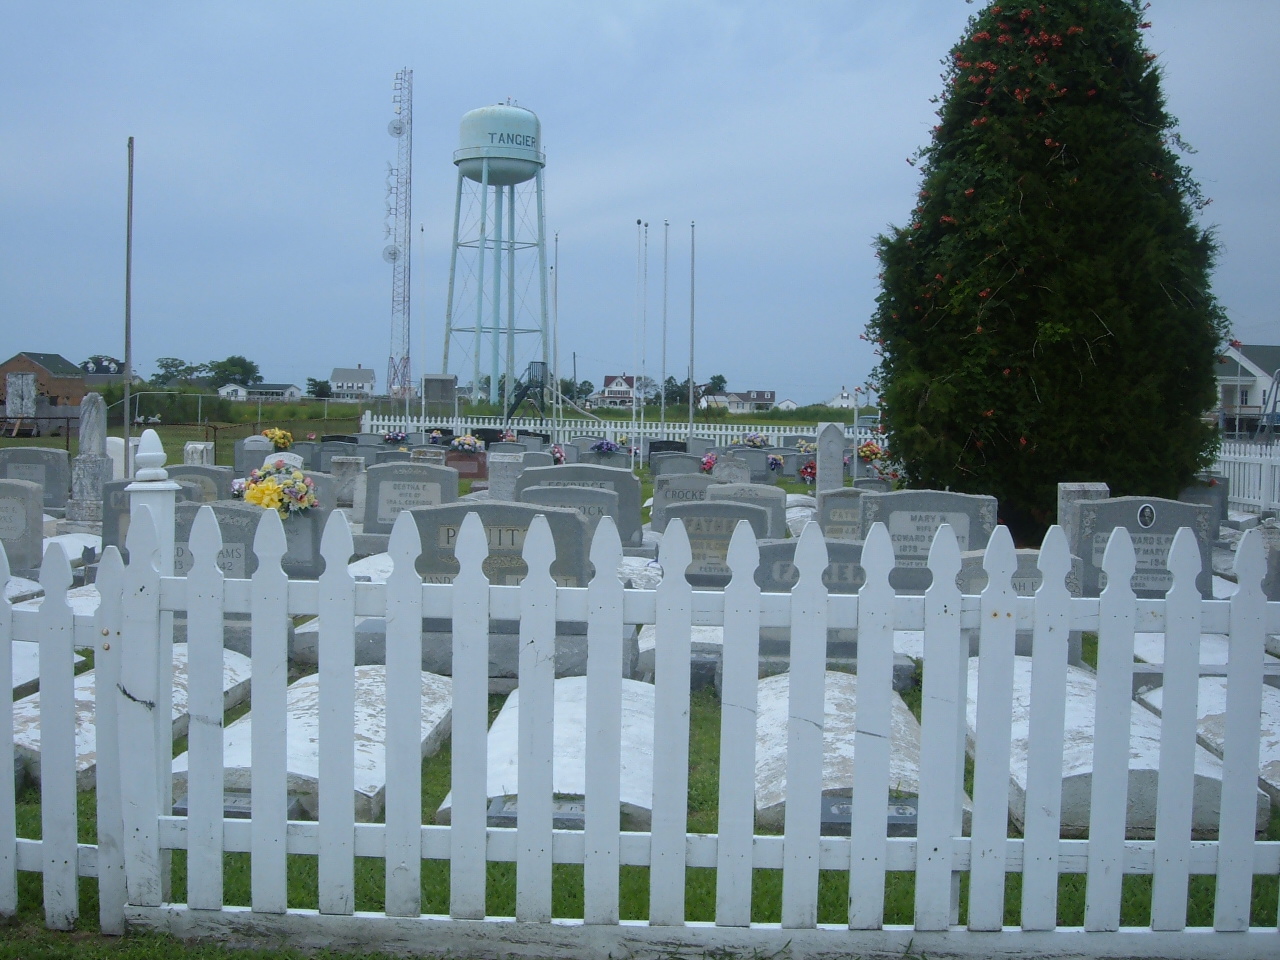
[
  {"x": 644, "y": 332},
  {"x": 497, "y": 295},
  {"x": 511, "y": 297},
  {"x": 484, "y": 227},
  {"x": 662, "y": 390},
  {"x": 691, "y": 387},
  {"x": 635, "y": 377},
  {"x": 557, "y": 410},
  {"x": 128, "y": 316},
  {"x": 453, "y": 266}
]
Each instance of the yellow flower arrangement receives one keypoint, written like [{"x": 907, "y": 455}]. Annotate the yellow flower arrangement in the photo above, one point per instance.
[
  {"x": 281, "y": 488},
  {"x": 280, "y": 439}
]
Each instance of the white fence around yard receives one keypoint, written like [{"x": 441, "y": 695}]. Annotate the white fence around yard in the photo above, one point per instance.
[
  {"x": 134, "y": 735},
  {"x": 1253, "y": 470},
  {"x": 562, "y": 430}
]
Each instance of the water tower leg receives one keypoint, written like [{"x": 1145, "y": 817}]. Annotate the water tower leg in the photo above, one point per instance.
[
  {"x": 484, "y": 224},
  {"x": 453, "y": 268},
  {"x": 496, "y": 330}
]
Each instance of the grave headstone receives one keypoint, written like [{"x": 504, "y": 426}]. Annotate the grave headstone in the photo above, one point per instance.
[
  {"x": 345, "y": 472},
  {"x": 250, "y": 453},
  {"x": 370, "y": 439},
  {"x": 757, "y": 462},
  {"x": 214, "y": 482},
  {"x": 309, "y": 451},
  {"x": 790, "y": 465},
  {"x": 571, "y": 452},
  {"x": 729, "y": 469},
  {"x": 93, "y": 425},
  {"x": 334, "y": 448},
  {"x": 505, "y": 467},
  {"x": 238, "y": 522},
  {"x": 507, "y": 446},
  {"x": 1212, "y": 490},
  {"x": 710, "y": 526},
  {"x": 337, "y": 438},
  {"x": 538, "y": 458},
  {"x": 699, "y": 446},
  {"x": 771, "y": 498},
  {"x": 1152, "y": 524},
  {"x": 20, "y": 395},
  {"x": 972, "y": 579},
  {"x": 392, "y": 487},
  {"x": 665, "y": 446},
  {"x": 830, "y": 457},
  {"x": 115, "y": 515},
  {"x": 393, "y": 455},
  {"x": 671, "y": 464},
  {"x": 21, "y": 524},
  {"x": 289, "y": 459},
  {"x": 325, "y": 487},
  {"x": 618, "y": 459},
  {"x": 198, "y": 453},
  {"x": 46, "y": 466},
  {"x": 914, "y": 516},
  {"x": 872, "y": 484},
  {"x": 470, "y": 466},
  {"x": 433, "y": 454},
  {"x": 1069, "y": 496},
  {"x": 592, "y": 503},
  {"x": 621, "y": 481},
  {"x": 506, "y": 526},
  {"x": 672, "y": 489},
  {"x": 777, "y": 572},
  {"x": 838, "y": 513}
]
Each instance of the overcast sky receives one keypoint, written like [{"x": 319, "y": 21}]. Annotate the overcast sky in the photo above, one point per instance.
[{"x": 781, "y": 128}]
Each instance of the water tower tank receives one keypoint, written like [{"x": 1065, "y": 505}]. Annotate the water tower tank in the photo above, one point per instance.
[{"x": 510, "y": 137}]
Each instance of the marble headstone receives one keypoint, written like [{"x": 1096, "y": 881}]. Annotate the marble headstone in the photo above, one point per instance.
[
  {"x": 838, "y": 513},
  {"x": 47, "y": 466},
  {"x": 622, "y": 481},
  {"x": 1152, "y": 523},
  {"x": 913, "y": 518},
  {"x": 392, "y": 487},
  {"x": 592, "y": 503},
  {"x": 21, "y": 524},
  {"x": 505, "y": 466},
  {"x": 214, "y": 482},
  {"x": 771, "y": 498},
  {"x": 672, "y": 489},
  {"x": 830, "y": 458},
  {"x": 710, "y": 526}
]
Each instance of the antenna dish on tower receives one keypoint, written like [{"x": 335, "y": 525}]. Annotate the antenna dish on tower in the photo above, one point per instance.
[
  {"x": 396, "y": 127},
  {"x": 391, "y": 253}
]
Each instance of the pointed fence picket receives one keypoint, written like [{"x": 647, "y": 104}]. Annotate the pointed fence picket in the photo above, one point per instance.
[
  {"x": 135, "y": 832},
  {"x": 8, "y": 803}
]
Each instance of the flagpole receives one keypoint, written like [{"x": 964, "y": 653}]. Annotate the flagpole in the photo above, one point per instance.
[
  {"x": 691, "y": 274},
  {"x": 128, "y": 318}
]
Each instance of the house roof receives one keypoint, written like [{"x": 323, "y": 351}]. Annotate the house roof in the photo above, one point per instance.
[
  {"x": 629, "y": 381},
  {"x": 56, "y": 364},
  {"x": 352, "y": 375},
  {"x": 747, "y": 395},
  {"x": 1265, "y": 356},
  {"x": 273, "y": 387}
]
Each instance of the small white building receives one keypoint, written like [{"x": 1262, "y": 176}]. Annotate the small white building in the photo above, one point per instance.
[
  {"x": 352, "y": 383},
  {"x": 1246, "y": 374},
  {"x": 787, "y": 404},
  {"x": 617, "y": 391},
  {"x": 750, "y": 401},
  {"x": 233, "y": 391},
  {"x": 844, "y": 400},
  {"x": 275, "y": 391}
]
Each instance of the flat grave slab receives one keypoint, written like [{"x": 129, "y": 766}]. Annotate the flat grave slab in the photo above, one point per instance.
[
  {"x": 569, "y": 763},
  {"x": 1211, "y": 708},
  {"x": 18, "y": 589},
  {"x": 1077, "y": 760},
  {"x": 303, "y": 732},
  {"x": 839, "y": 710},
  {"x": 26, "y": 667},
  {"x": 26, "y": 713},
  {"x": 82, "y": 600}
]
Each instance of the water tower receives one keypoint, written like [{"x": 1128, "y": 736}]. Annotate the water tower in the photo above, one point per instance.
[{"x": 498, "y": 263}]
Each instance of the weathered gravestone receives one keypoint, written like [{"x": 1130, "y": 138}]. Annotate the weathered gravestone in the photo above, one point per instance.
[
  {"x": 336, "y": 448},
  {"x": 115, "y": 515},
  {"x": 592, "y": 503},
  {"x": 538, "y": 458},
  {"x": 872, "y": 484},
  {"x": 670, "y": 464},
  {"x": 309, "y": 451},
  {"x": 1069, "y": 497},
  {"x": 470, "y": 466},
  {"x": 672, "y": 489},
  {"x": 757, "y": 462},
  {"x": 277, "y": 458},
  {"x": 20, "y": 395},
  {"x": 838, "y": 513},
  {"x": 392, "y": 487},
  {"x": 709, "y": 527},
  {"x": 771, "y": 498},
  {"x": 729, "y": 469},
  {"x": 571, "y": 452},
  {"x": 214, "y": 482},
  {"x": 198, "y": 453},
  {"x": 46, "y": 466},
  {"x": 972, "y": 579},
  {"x": 617, "y": 459},
  {"x": 664, "y": 446},
  {"x": 507, "y": 446},
  {"x": 22, "y": 524},
  {"x": 238, "y": 522},
  {"x": 92, "y": 467},
  {"x": 432, "y": 453},
  {"x": 790, "y": 461},
  {"x": 393, "y": 456},
  {"x": 699, "y": 446},
  {"x": 913, "y": 518},
  {"x": 325, "y": 488},
  {"x": 1212, "y": 490},
  {"x": 250, "y": 453},
  {"x": 346, "y": 471},
  {"x": 505, "y": 467},
  {"x": 622, "y": 481},
  {"x": 830, "y": 457},
  {"x": 1152, "y": 524},
  {"x": 370, "y": 439}
]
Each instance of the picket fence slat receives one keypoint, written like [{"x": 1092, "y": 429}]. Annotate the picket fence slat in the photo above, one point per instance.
[
  {"x": 537, "y": 725},
  {"x": 109, "y": 631},
  {"x": 470, "y": 724},
  {"x": 269, "y": 656},
  {"x": 874, "y": 734},
  {"x": 8, "y": 805},
  {"x": 992, "y": 736},
  {"x": 1241, "y": 738},
  {"x": 57, "y": 744},
  {"x": 942, "y": 716},
  {"x": 336, "y": 721},
  {"x": 404, "y": 722},
  {"x": 738, "y": 715},
  {"x": 1109, "y": 790},
  {"x": 1043, "y": 806},
  {"x": 1177, "y": 736},
  {"x": 805, "y": 715},
  {"x": 138, "y": 677},
  {"x": 672, "y": 651},
  {"x": 604, "y": 728},
  {"x": 205, "y": 777}
]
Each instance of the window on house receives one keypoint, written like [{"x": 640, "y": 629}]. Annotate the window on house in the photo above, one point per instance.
[{"x": 1244, "y": 396}]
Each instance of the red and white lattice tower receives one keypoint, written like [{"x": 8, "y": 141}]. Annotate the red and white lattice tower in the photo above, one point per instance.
[{"x": 396, "y": 252}]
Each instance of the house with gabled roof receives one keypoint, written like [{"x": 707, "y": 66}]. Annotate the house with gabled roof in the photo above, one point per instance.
[
  {"x": 618, "y": 391},
  {"x": 1247, "y": 377},
  {"x": 59, "y": 381},
  {"x": 352, "y": 383}
]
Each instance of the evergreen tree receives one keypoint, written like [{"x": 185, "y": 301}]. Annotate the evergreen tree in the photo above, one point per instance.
[{"x": 1046, "y": 315}]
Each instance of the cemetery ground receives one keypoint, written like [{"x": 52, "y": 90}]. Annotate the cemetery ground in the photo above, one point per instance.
[{"x": 25, "y": 934}]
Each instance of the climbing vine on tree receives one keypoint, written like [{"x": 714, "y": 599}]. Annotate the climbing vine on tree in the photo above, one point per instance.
[{"x": 1046, "y": 315}]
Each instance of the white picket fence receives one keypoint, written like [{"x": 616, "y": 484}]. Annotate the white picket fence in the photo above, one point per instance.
[
  {"x": 1253, "y": 470},
  {"x": 128, "y": 635},
  {"x": 615, "y": 430}
]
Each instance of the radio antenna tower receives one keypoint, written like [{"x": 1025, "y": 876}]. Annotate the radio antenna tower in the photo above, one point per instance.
[{"x": 398, "y": 232}]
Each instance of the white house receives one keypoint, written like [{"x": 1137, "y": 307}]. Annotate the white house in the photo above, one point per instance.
[
  {"x": 787, "y": 404},
  {"x": 348, "y": 383},
  {"x": 275, "y": 391},
  {"x": 1246, "y": 376},
  {"x": 844, "y": 400},
  {"x": 233, "y": 391},
  {"x": 750, "y": 401},
  {"x": 617, "y": 392}
]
